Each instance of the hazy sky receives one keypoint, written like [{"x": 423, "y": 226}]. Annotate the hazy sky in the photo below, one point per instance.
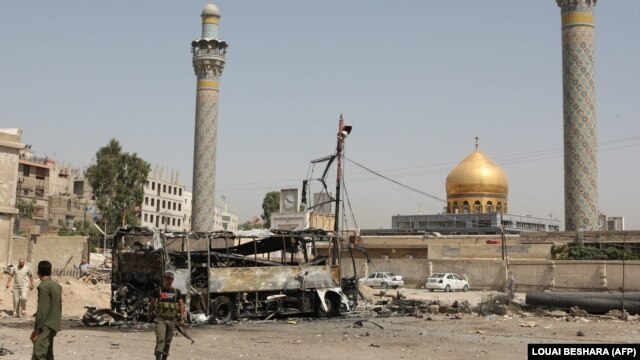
[{"x": 418, "y": 80}]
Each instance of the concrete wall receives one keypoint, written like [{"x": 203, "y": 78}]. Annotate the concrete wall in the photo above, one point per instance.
[
  {"x": 56, "y": 249},
  {"x": 578, "y": 274},
  {"x": 422, "y": 241},
  {"x": 491, "y": 274},
  {"x": 413, "y": 271},
  {"x": 589, "y": 236},
  {"x": 10, "y": 145},
  {"x": 480, "y": 273},
  {"x": 6, "y": 222},
  {"x": 478, "y": 251}
]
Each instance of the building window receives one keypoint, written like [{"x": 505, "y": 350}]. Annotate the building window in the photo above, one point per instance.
[
  {"x": 178, "y": 222},
  {"x": 163, "y": 204},
  {"x": 151, "y": 217},
  {"x": 489, "y": 206},
  {"x": 173, "y": 222},
  {"x": 26, "y": 170},
  {"x": 153, "y": 185},
  {"x": 174, "y": 206},
  {"x": 180, "y": 192},
  {"x": 477, "y": 208},
  {"x": 145, "y": 217},
  {"x": 164, "y": 188},
  {"x": 146, "y": 200},
  {"x": 41, "y": 173},
  {"x": 179, "y": 207},
  {"x": 152, "y": 202}
]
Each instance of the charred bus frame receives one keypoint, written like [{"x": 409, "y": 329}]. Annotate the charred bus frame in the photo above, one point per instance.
[{"x": 226, "y": 275}]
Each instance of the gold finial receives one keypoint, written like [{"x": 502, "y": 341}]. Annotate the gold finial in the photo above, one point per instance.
[{"x": 476, "y": 143}]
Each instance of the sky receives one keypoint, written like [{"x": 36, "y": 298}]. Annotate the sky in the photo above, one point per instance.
[{"x": 418, "y": 80}]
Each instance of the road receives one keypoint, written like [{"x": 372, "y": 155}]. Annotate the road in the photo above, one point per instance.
[{"x": 431, "y": 337}]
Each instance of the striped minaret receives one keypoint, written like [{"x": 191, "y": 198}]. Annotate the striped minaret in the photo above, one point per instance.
[
  {"x": 208, "y": 62},
  {"x": 579, "y": 95}
]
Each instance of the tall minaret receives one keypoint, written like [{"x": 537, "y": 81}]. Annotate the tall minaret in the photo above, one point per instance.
[
  {"x": 579, "y": 95},
  {"x": 208, "y": 62}
]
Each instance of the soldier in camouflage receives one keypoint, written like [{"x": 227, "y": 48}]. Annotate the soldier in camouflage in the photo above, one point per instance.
[{"x": 168, "y": 303}]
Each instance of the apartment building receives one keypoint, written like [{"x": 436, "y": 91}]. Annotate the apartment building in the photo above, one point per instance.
[{"x": 163, "y": 206}]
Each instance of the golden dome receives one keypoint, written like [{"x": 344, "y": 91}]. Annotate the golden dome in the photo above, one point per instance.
[{"x": 477, "y": 174}]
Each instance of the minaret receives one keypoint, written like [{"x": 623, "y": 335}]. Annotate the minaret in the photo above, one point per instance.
[
  {"x": 579, "y": 101},
  {"x": 208, "y": 62}
]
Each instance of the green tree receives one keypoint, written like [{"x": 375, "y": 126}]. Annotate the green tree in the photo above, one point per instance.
[
  {"x": 270, "y": 204},
  {"x": 117, "y": 179},
  {"x": 27, "y": 208}
]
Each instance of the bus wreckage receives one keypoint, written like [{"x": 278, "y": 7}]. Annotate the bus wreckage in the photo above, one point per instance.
[{"x": 224, "y": 275}]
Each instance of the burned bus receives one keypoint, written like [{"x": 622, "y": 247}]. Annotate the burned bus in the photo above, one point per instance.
[{"x": 228, "y": 275}]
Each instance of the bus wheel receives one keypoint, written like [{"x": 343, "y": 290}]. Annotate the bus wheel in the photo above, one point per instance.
[
  {"x": 332, "y": 301},
  {"x": 221, "y": 309}
]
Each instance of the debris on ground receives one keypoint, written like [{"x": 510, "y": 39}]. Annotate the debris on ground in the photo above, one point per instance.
[{"x": 4, "y": 351}]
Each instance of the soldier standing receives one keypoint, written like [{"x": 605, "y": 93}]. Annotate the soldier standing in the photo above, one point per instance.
[
  {"x": 20, "y": 287},
  {"x": 48, "y": 315},
  {"x": 169, "y": 304}
]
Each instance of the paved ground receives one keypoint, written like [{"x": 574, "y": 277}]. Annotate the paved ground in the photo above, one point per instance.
[{"x": 442, "y": 337}]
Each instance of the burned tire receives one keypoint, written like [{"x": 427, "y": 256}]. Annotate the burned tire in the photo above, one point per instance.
[
  {"x": 447, "y": 288},
  {"x": 465, "y": 288},
  {"x": 221, "y": 309},
  {"x": 333, "y": 306}
]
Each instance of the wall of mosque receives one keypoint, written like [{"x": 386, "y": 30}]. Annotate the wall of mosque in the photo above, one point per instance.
[{"x": 477, "y": 205}]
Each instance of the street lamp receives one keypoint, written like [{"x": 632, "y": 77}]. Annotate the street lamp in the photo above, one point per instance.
[{"x": 343, "y": 131}]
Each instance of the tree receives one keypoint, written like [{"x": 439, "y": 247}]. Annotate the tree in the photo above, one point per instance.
[
  {"x": 270, "y": 204},
  {"x": 117, "y": 179},
  {"x": 27, "y": 208}
]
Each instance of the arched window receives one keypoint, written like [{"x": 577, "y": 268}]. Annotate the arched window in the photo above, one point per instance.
[
  {"x": 455, "y": 208},
  {"x": 477, "y": 208},
  {"x": 499, "y": 207},
  {"x": 465, "y": 207},
  {"x": 448, "y": 208},
  {"x": 489, "y": 207}
]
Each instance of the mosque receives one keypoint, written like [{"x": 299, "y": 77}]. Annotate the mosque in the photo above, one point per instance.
[
  {"x": 477, "y": 204},
  {"x": 477, "y": 189}
]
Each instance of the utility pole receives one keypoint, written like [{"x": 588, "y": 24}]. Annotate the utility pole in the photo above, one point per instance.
[
  {"x": 504, "y": 246},
  {"x": 343, "y": 132}
]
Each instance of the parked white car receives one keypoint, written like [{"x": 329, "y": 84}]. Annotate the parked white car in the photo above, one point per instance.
[
  {"x": 447, "y": 282},
  {"x": 383, "y": 280}
]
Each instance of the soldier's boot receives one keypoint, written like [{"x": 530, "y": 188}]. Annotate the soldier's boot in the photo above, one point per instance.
[
  {"x": 165, "y": 356},
  {"x": 159, "y": 356}
]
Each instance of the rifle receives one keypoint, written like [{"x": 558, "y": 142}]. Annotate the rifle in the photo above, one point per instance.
[{"x": 184, "y": 333}]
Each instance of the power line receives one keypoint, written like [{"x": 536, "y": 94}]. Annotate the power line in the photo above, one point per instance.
[
  {"x": 397, "y": 182},
  {"x": 438, "y": 168}
]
